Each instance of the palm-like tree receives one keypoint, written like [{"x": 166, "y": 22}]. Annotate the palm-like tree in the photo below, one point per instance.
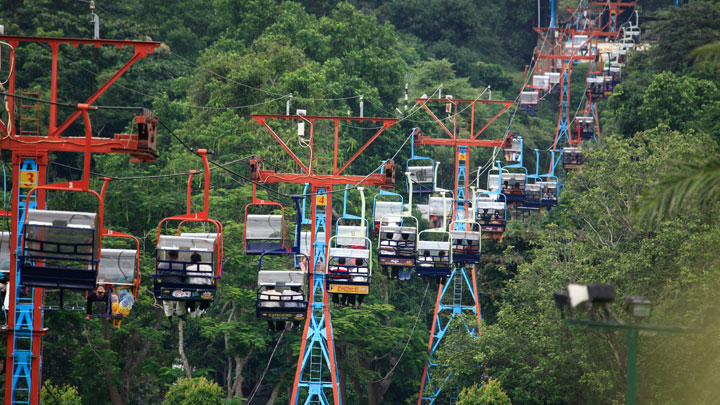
[{"x": 687, "y": 184}]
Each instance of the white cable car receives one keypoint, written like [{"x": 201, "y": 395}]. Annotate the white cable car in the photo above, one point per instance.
[
  {"x": 186, "y": 267},
  {"x": 554, "y": 78},
  {"x": 397, "y": 243},
  {"x": 5, "y": 255},
  {"x": 389, "y": 209},
  {"x": 59, "y": 250},
  {"x": 584, "y": 125},
  {"x": 439, "y": 207},
  {"x": 549, "y": 189},
  {"x": 348, "y": 269},
  {"x": 281, "y": 294},
  {"x": 434, "y": 253},
  {"x": 514, "y": 152},
  {"x": 541, "y": 83},
  {"x": 491, "y": 213},
  {"x": 596, "y": 86},
  {"x": 572, "y": 157},
  {"x": 529, "y": 102},
  {"x": 465, "y": 241}
]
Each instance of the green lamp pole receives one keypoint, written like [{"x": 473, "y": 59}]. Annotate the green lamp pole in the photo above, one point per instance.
[{"x": 631, "y": 330}]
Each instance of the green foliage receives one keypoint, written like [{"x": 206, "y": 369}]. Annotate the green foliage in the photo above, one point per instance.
[
  {"x": 196, "y": 391},
  {"x": 488, "y": 393},
  {"x": 59, "y": 395}
]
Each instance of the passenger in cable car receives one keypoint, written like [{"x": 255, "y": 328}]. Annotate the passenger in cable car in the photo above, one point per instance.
[
  {"x": 98, "y": 294},
  {"x": 269, "y": 296},
  {"x": 290, "y": 298},
  {"x": 172, "y": 307},
  {"x": 361, "y": 269},
  {"x": 340, "y": 300},
  {"x": 200, "y": 268}
]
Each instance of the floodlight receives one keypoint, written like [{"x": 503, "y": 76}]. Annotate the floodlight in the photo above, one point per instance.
[{"x": 638, "y": 307}]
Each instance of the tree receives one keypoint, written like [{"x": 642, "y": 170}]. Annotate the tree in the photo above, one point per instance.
[
  {"x": 196, "y": 391},
  {"x": 59, "y": 395},
  {"x": 488, "y": 393}
]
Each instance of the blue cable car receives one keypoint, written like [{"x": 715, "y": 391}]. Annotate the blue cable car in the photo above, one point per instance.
[
  {"x": 466, "y": 237},
  {"x": 422, "y": 171},
  {"x": 435, "y": 253},
  {"x": 281, "y": 293}
]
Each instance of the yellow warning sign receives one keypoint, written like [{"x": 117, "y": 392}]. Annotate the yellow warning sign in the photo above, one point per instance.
[
  {"x": 351, "y": 289},
  {"x": 321, "y": 200},
  {"x": 28, "y": 179},
  {"x": 462, "y": 156}
]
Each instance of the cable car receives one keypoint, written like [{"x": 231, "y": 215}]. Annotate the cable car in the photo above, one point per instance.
[
  {"x": 5, "y": 255},
  {"x": 549, "y": 192},
  {"x": 263, "y": 232},
  {"x": 188, "y": 265},
  {"x": 440, "y": 207},
  {"x": 434, "y": 253},
  {"x": 491, "y": 213},
  {"x": 554, "y": 78},
  {"x": 119, "y": 269},
  {"x": 513, "y": 154},
  {"x": 572, "y": 156},
  {"x": 386, "y": 208},
  {"x": 397, "y": 243},
  {"x": 349, "y": 269},
  {"x": 422, "y": 171},
  {"x": 60, "y": 249},
  {"x": 612, "y": 70},
  {"x": 281, "y": 293},
  {"x": 596, "y": 86},
  {"x": 529, "y": 102},
  {"x": 541, "y": 83},
  {"x": 584, "y": 125},
  {"x": 465, "y": 242},
  {"x": 533, "y": 194}
]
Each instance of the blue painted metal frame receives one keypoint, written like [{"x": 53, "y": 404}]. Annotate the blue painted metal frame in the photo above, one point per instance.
[
  {"x": 316, "y": 353},
  {"x": 23, "y": 336},
  {"x": 458, "y": 280}
]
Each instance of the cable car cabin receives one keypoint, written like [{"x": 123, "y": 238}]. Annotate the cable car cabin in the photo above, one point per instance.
[
  {"x": 465, "y": 242},
  {"x": 514, "y": 152},
  {"x": 549, "y": 196},
  {"x": 5, "y": 255},
  {"x": 390, "y": 209},
  {"x": 513, "y": 186},
  {"x": 397, "y": 244},
  {"x": 614, "y": 71},
  {"x": 422, "y": 176},
  {"x": 305, "y": 241},
  {"x": 59, "y": 250},
  {"x": 185, "y": 268},
  {"x": 349, "y": 270},
  {"x": 554, "y": 78},
  {"x": 596, "y": 86},
  {"x": 618, "y": 56},
  {"x": 434, "y": 257},
  {"x": 436, "y": 208},
  {"x": 263, "y": 233},
  {"x": 541, "y": 83},
  {"x": 118, "y": 267},
  {"x": 572, "y": 157},
  {"x": 533, "y": 194},
  {"x": 491, "y": 213},
  {"x": 529, "y": 102},
  {"x": 584, "y": 125},
  {"x": 281, "y": 295}
]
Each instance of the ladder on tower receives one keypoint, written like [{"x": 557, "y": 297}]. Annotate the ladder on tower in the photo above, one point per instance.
[
  {"x": 29, "y": 113},
  {"x": 322, "y": 162}
]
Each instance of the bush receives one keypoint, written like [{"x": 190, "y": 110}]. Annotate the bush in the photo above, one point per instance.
[{"x": 489, "y": 393}]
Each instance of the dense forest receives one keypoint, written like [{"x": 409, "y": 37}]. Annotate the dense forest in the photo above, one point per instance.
[{"x": 638, "y": 216}]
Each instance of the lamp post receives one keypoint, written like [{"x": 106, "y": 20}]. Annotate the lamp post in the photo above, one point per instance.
[{"x": 637, "y": 307}]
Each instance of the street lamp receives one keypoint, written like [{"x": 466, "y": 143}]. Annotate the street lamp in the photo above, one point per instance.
[
  {"x": 600, "y": 295},
  {"x": 638, "y": 307}
]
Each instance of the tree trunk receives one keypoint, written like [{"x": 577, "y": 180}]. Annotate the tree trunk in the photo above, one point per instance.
[
  {"x": 274, "y": 395},
  {"x": 114, "y": 393},
  {"x": 181, "y": 349}
]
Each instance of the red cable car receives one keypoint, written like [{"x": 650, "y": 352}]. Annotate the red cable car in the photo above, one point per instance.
[{"x": 188, "y": 265}]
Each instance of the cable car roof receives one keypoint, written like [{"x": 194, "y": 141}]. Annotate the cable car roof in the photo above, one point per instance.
[{"x": 62, "y": 218}]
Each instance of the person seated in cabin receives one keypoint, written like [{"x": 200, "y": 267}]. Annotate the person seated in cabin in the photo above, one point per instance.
[
  {"x": 98, "y": 294},
  {"x": 303, "y": 264},
  {"x": 486, "y": 216},
  {"x": 293, "y": 298},
  {"x": 506, "y": 185},
  {"x": 168, "y": 272},
  {"x": 340, "y": 300},
  {"x": 271, "y": 298},
  {"x": 199, "y": 274},
  {"x": 426, "y": 260},
  {"x": 516, "y": 186},
  {"x": 361, "y": 268}
]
